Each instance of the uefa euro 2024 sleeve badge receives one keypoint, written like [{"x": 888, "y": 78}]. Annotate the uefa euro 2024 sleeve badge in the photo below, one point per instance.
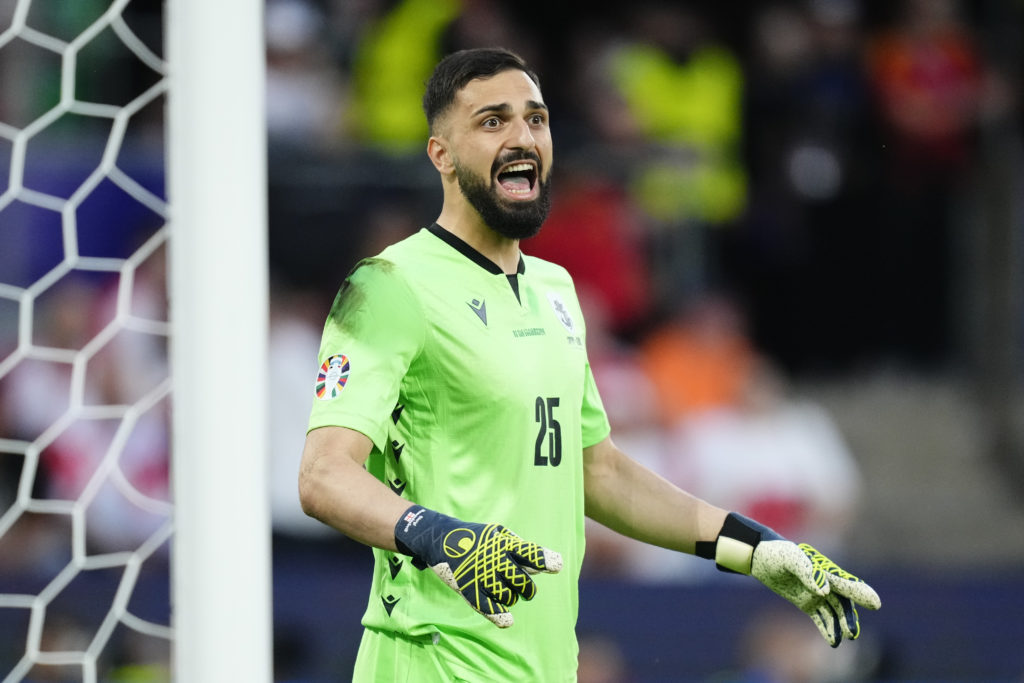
[{"x": 332, "y": 377}]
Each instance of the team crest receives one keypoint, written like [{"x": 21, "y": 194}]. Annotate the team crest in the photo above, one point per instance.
[
  {"x": 332, "y": 377},
  {"x": 562, "y": 313}
]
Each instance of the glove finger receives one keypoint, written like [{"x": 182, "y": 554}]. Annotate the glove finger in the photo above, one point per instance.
[
  {"x": 834, "y": 625},
  {"x": 849, "y": 621},
  {"x": 843, "y": 581},
  {"x": 445, "y": 573},
  {"x": 501, "y": 619},
  {"x": 856, "y": 590},
  {"x": 489, "y": 602},
  {"x": 478, "y": 596},
  {"x": 486, "y": 602},
  {"x": 534, "y": 558},
  {"x": 497, "y": 613},
  {"x": 498, "y": 586},
  {"x": 830, "y": 620},
  {"x": 517, "y": 580},
  {"x": 822, "y": 618}
]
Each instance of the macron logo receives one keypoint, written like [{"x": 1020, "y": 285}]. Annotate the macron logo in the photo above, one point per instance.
[{"x": 480, "y": 308}]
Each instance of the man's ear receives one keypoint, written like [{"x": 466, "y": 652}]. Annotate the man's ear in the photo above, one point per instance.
[{"x": 437, "y": 150}]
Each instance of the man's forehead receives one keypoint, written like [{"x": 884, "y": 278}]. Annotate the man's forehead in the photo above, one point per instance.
[{"x": 511, "y": 87}]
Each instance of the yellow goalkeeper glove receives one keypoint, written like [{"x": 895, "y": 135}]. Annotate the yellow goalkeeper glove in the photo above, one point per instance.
[
  {"x": 486, "y": 563},
  {"x": 799, "y": 573}
]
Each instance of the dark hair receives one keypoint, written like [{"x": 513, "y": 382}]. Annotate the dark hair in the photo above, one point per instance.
[{"x": 459, "y": 68}]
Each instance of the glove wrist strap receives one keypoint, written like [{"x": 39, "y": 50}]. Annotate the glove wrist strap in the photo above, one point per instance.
[
  {"x": 416, "y": 529},
  {"x": 733, "y": 550}
]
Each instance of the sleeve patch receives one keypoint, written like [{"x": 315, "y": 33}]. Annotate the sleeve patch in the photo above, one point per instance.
[{"x": 332, "y": 377}]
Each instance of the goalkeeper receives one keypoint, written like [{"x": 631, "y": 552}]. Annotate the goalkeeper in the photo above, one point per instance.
[{"x": 456, "y": 427}]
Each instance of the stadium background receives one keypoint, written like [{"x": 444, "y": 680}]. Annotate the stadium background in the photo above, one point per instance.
[{"x": 848, "y": 219}]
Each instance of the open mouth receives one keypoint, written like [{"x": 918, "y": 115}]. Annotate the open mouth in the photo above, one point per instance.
[{"x": 518, "y": 179}]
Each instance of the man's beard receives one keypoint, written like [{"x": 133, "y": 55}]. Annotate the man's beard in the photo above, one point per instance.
[{"x": 515, "y": 220}]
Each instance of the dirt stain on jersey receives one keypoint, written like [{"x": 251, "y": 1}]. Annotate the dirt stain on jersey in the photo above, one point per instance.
[{"x": 348, "y": 303}]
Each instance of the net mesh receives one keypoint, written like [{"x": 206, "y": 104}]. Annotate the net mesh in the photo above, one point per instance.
[{"x": 85, "y": 506}]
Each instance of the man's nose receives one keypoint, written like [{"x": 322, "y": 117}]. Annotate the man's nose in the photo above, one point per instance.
[{"x": 520, "y": 135}]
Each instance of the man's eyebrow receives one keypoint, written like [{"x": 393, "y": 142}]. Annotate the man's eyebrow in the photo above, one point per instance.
[
  {"x": 505, "y": 108},
  {"x": 497, "y": 108}
]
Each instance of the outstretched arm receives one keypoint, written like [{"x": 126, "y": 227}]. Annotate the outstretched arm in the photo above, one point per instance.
[{"x": 629, "y": 498}]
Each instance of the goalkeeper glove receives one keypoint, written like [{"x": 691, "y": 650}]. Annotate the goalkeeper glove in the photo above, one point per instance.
[
  {"x": 486, "y": 563},
  {"x": 799, "y": 573}
]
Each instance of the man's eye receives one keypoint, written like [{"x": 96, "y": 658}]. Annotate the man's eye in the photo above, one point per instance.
[{"x": 492, "y": 122}]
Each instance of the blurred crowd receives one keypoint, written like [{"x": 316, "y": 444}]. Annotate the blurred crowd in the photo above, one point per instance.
[
  {"x": 808, "y": 161},
  {"x": 741, "y": 204}
]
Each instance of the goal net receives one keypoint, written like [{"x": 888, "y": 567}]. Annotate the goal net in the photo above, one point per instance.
[{"x": 134, "y": 535}]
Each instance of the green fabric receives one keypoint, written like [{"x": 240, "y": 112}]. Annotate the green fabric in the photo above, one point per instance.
[{"x": 479, "y": 406}]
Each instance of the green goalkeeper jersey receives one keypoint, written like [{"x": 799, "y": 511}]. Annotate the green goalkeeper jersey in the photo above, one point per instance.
[{"x": 475, "y": 389}]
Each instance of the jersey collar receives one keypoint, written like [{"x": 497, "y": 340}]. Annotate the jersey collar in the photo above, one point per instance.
[{"x": 472, "y": 254}]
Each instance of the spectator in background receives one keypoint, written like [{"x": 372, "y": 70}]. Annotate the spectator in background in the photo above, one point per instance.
[
  {"x": 681, "y": 90},
  {"x": 695, "y": 361},
  {"x": 132, "y": 369},
  {"x": 698, "y": 359},
  {"x": 120, "y": 462},
  {"x": 774, "y": 457},
  {"x": 395, "y": 55},
  {"x": 392, "y": 61},
  {"x": 684, "y": 90},
  {"x": 33, "y": 394},
  {"x": 37, "y": 392},
  {"x": 294, "y": 337},
  {"x": 926, "y": 73},
  {"x": 808, "y": 237},
  {"x": 601, "y": 660},
  {"x": 485, "y": 23},
  {"x": 306, "y": 92}
]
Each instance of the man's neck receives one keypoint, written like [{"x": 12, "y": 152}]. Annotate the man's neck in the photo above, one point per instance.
[{"x": 501, "y": 250}]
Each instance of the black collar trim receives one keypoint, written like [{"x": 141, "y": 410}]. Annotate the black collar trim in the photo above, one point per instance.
[{"x": 472, "y": 254}]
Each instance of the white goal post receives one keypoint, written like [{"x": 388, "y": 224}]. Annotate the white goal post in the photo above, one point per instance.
[
  {"x": 89, "y": 325},
  {"x": 221, "y": 588}
]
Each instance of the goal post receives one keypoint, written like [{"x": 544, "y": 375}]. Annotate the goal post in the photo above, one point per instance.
[{"x": 220, "y": 572}]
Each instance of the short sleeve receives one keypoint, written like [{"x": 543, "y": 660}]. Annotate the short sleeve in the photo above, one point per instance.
[
  {"x": 373, "y": 332},
  {"x": 593, "y": 419}
]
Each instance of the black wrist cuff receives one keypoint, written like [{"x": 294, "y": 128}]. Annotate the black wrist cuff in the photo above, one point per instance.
[
  {"x": 705, "y": 549},
  {"x": 742, "y": 529},
  {"x": 741, "y": 536}
]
